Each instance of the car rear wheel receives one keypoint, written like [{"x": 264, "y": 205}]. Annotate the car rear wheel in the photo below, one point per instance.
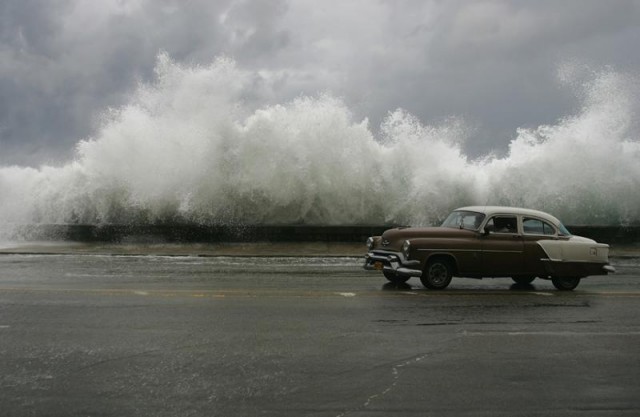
[
  {"x": 565, "y": 283},
  {"x": 523, "y": 280},
  {"x": 437, "y": 275},
  {"x": 395, "y": 278}
]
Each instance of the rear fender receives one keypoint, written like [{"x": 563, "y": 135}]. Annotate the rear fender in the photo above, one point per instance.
[{"x": 575, "y": 250}]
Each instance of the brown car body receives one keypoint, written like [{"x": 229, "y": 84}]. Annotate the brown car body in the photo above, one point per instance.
[{"x": 483, "y": 242}]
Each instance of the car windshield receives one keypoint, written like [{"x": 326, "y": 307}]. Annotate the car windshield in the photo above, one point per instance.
[{"x": 464, "y": 220}]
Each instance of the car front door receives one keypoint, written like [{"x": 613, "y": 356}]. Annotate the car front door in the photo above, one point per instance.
[
  {"x": 502, "y": 247},
  {"x": 534, "y": 230}
]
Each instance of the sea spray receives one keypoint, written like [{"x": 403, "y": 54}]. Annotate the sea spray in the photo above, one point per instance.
[
  {"x": 187, "y": 148},
  {"x": 586, "y": 168}
]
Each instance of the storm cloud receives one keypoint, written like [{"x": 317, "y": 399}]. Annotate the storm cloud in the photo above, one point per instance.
[{"x": 496, "y": 65}]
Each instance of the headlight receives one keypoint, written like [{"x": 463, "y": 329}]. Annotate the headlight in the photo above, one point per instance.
[
  {"x": 406, "y": 246},
  {"x": 370, "y": 243}
]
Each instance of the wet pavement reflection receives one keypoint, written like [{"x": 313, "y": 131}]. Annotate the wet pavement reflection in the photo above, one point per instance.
[{"x": 164, "y": 336}]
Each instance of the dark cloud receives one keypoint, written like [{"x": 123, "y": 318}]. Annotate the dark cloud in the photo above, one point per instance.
[{"x": 493, "y": 63}]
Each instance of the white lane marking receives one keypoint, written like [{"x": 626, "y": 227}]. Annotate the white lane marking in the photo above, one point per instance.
[
  {"x": 347, "y": 294},
  {"x": 4, "y": 326},
  {"x": 607, "y": 334},
  {"x": 141, "y": 293},
  {"x": 550, "y": 333}
]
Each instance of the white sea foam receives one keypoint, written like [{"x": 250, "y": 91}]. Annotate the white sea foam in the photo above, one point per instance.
[{"x": 188, "y": 148}]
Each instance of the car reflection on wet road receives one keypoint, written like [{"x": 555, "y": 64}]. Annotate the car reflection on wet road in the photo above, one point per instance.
[{"x": 164, "y": 336}]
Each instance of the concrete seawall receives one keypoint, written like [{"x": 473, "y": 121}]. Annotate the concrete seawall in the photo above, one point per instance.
[{"x": 192, "y": 233}]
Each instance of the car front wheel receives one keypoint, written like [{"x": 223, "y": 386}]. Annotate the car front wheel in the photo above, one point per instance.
[
  {"x": 523, "y": 280},
  {"x": 565, "y": 283},
  {"x": 437, "y": 275}
]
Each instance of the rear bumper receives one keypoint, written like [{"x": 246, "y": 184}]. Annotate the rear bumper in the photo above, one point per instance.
[
  {"x": 392, "y": 262},
  {"x": 576, "y": 268}
]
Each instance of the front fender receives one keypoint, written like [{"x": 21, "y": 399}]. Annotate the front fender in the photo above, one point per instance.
[{"x": 466, "y": 254}]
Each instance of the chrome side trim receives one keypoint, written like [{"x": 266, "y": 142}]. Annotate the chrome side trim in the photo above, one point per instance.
[
  {"x": 449, "y": 250},
  {"x": 569, "y": 261},
  {"x": 469, "y": 250}
]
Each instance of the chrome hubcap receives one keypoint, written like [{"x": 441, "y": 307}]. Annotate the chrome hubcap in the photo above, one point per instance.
[{"x": 438, "y": 274}]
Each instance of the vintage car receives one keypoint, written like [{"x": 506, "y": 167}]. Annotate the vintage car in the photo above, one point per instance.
[{"x": 484, "y": 242}]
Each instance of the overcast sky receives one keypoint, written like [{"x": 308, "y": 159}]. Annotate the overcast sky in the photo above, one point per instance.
[{"x": 494, "y": 64}]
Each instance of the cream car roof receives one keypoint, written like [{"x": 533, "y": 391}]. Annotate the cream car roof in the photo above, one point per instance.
[{"x": 491, "y": 210}]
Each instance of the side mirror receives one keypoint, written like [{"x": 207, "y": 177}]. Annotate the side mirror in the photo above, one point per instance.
[{"x": 485, "y": 232}]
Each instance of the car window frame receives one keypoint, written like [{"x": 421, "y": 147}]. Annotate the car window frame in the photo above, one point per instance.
[
  {"x": 543, "y": 221},
  {"x": 518, "y": 224}
]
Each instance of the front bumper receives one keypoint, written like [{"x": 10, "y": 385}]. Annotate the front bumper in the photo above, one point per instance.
[{"x": 392, "y": 262}]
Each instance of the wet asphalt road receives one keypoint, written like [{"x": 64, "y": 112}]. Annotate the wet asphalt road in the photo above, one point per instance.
[{"x": 186, "y": 336}]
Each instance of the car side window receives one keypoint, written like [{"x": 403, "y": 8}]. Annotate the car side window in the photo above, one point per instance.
[
  {"x": 502, "y": 224},
  {"x": 537, "y": 227}
]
